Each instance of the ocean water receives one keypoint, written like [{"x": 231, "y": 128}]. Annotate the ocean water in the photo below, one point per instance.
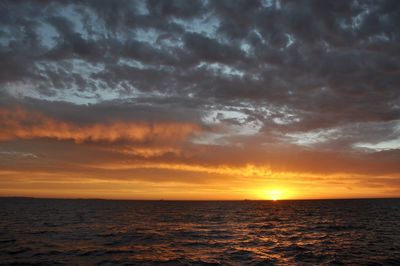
[{"x": 102, "y": 232}]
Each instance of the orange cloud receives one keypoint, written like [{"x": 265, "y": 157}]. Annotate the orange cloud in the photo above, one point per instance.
[
  {"x": 21, "y": 124},
  {"x": 149, "y": 152}
]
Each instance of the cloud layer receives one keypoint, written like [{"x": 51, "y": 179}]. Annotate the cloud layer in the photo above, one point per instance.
[
  {"x": 19, "y": 124},
  {"x": 292, "y": 86}
]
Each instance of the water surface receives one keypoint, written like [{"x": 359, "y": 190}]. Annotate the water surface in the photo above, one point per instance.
[{"x": 102, "y": 232}]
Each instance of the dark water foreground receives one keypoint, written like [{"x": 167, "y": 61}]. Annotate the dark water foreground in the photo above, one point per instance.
[{"x": 97, "y": 232}]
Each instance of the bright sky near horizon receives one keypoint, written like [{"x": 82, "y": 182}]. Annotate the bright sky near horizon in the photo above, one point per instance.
[{"x": 200, "y": 99}]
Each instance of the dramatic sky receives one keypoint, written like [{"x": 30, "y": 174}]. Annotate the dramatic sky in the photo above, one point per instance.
[{"x": 200, "y": 99}]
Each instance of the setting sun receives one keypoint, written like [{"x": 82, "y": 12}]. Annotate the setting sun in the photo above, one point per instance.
[{"x": 275, "y": 194}]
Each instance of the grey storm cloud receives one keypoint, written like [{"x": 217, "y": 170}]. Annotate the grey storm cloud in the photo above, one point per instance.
[{"x": 325, "y": 70}]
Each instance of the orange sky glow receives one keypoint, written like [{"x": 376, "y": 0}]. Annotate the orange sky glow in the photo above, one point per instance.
[{"x": 155, "y": 161}]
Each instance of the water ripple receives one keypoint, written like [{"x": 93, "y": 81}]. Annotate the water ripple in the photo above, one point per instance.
[{"x": 97, "y": 232}]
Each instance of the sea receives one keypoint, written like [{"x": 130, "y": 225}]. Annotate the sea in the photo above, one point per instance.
[{"x": 118, "y": 232}]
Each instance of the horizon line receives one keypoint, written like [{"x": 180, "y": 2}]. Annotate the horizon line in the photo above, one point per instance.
[{"x": 161, "y": 199}]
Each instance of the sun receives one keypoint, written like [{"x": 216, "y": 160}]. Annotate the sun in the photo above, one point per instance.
[{"x": 275, "y": 194}]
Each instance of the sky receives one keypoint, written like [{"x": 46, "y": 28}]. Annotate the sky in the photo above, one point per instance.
[{"x": 213, "y": 99}]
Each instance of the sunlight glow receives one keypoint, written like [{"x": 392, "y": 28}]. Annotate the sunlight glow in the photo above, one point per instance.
[{"x": 275, "y": 194}]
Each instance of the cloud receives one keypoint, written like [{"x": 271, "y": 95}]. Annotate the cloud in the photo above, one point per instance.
[{"x": 20, "y": 124}]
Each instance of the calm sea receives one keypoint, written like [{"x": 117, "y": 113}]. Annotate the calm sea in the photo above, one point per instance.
[{"x": 103, "y": 232}]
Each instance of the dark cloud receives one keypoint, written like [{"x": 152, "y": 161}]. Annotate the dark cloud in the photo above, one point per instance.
[{"x": 175, "y": 8}]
